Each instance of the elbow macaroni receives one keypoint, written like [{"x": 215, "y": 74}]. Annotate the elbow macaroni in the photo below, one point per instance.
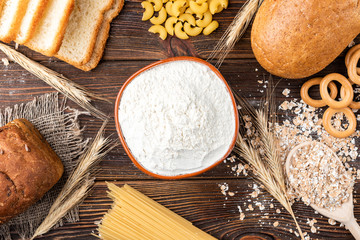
[
  {"x": 160, "y": 30},
  {"x": 216, "y": 6},
  {"x": 204, "y": 20},
  {"x": 178, "y": 7},
  {"x": 149, "y": 10},
  {"x": 169, "y": 25},
  {"x": 192, "y": 31},
  {"x": 211, "y": 27},
  {"x": 186, "y": 17},
  {"x": 178, "y": 16},
  {"x": 158, "y": 4},
  {"x": 199, "y": 8},
  {"x": 179, "y": 32},
  {"x": 160, "y": 18}
]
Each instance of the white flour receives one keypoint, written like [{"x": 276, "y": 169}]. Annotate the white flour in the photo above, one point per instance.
[{"x": 177, "y": 118}]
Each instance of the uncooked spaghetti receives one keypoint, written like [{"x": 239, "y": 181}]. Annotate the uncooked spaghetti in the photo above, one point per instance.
[{"x": 135, "y": 216}]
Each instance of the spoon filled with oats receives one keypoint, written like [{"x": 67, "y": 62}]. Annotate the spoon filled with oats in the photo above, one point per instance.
[{"x": 320, "y": 179}]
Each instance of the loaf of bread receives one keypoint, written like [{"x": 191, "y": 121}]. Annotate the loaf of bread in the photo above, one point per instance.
[
  {"x": 28, "y": 168},
  {"x": 293, "y": 39},
  {"x": 74, "y": 31}
]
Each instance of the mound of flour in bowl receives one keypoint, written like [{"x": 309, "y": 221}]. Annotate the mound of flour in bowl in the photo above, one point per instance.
[{"x": 177, "y": 118}]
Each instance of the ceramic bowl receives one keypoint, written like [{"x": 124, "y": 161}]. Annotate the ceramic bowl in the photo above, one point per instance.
[{"x": 122, "y": 138}]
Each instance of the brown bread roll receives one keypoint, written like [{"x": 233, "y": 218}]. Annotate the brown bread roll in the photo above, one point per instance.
[
  {"x": 296, "y": 39},
  {"x": 28, "y": 168}
]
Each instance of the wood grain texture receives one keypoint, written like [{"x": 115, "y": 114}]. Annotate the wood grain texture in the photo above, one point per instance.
[
  {"x": 131, "y": 47},
  {"x": 201, "y": 202}
]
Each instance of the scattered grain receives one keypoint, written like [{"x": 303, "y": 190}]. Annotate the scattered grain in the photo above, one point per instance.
[{"x": 5, "y": 61}]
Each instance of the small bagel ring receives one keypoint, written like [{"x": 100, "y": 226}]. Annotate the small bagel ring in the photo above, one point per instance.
[
  {"x": 352, "y": 67},
  {"x": 353, "y": 104},
  {"x": 349, "y": 55},
  {"x": 325, "y": 94},
  {"x": 304, "y": 92},
  {"x": 330, "y": 128}
]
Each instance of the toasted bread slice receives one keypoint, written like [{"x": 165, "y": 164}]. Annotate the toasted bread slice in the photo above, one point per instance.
[
  {"x": 12, "y": 13},
  {"x": 102, "y": 36},
  {"x": 82, "y": 30},
  {"x": 50, "y": 30},
  {"x": 32, "y": 16}
]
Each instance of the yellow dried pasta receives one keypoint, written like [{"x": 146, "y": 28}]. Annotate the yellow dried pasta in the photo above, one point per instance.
[{"x": 183, "y": 18}]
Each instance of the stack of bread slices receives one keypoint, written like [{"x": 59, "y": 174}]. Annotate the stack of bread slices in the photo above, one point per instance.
[{"x": 74, "y": 31}]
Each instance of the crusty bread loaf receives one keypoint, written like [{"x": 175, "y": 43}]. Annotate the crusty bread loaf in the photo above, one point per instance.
[
  {"x": 50, "y": 29},
  {"x": 32, "y": 16},
  {"x": 102, "y": 36},
  {"x": 82, "y": 30},
  {"x": 12, "y": 13},
  {"x": 293, "y": 39},
  {"x": 28, "y": 168}
]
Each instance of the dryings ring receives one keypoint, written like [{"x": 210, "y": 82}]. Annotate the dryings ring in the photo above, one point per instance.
[
  {"x": 353, "y": 104},
  {"x": 304, "y": 92},
  {"x": 349, "y": 55},
  {"x": 352, "y": 67},
  {"x": 349, "y": 93},
  {"x": 330, "y": 128}
]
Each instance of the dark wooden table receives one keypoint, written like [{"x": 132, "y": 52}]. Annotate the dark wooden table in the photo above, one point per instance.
[{"x": 198, "y": 199}]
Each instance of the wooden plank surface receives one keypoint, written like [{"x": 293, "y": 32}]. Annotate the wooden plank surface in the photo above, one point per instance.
[{"x": 129, "y": 48}]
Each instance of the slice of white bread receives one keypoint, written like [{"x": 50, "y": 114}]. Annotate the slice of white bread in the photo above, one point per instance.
[
  {"x": 32, "y": 16},
  {"x": 50, "y": 30},
  {"x": 102, "y": 36},
  {"x": 82, "y": 30},
  {"x": 11, "y": 15}
]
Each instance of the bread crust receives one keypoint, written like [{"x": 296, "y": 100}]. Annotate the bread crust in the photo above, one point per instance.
[
  {"x": 91, "y": 44},
  {"x": 102, "y": 36},
  {"x": 59, "y": 35},
  {"x": 15, "y": 22},
  {"x": 294, "y": 40},
  {"x": 34, "y": 20},
  {"x": 28, "y": 168}
]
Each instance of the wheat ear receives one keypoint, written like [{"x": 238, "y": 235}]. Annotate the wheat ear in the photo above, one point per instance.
[
  {"x": 268, "y": 169},
  {"x": 80, "y": 180},
  {"x": 235, "y": 31},
  {"x": 75, "y": 92}
]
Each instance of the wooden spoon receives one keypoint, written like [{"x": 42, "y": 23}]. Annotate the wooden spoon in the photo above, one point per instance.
[{"x": 343, "y": 214}]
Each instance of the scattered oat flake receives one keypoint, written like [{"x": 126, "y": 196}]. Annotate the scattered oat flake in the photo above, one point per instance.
[
  {"x": 242, "y": 216},
  {"x": 276, "y": 224},
  {"x": 231, "y": 194},
  {"x": 5, "y": 61},
  {"x": 313, "y": 229},
  {"x": 254, "y": 194},
  {"x": 224, "y": 187},
  {"x": 271, "y": 205},
  {"x": 278, "y": 211},
  {"x": 250, "y": 207},
  {"x": 332, "y": 221},
  {"x": 286, "y": 92}
]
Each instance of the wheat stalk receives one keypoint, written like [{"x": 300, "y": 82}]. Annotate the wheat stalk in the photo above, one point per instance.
[
  {"x": 235, "y": 31},
  {"x": 75, "y": 92},
  {"x": 53, "y": 217},
  {"x": 69, "y": 196},
  {"x": 268, "y": 169}
]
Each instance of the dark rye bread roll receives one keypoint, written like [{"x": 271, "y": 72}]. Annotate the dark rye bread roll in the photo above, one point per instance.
[{"x": 28, "y": 168}]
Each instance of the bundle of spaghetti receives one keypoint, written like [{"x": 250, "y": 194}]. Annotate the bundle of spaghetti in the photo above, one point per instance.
[{"x": 136, "y": 216}]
